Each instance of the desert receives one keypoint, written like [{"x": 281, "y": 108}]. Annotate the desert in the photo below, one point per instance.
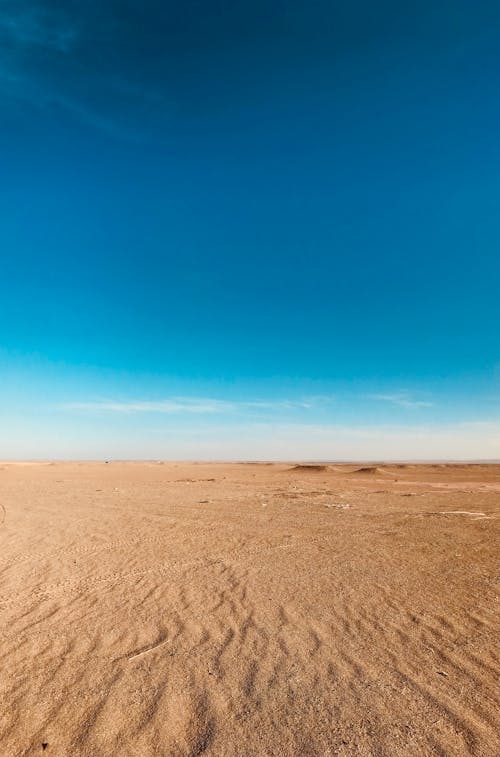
[{"x": 180, "y": 609}]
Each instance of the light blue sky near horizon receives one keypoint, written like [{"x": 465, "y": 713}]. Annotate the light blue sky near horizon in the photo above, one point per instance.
[{"x": 249, "y": 231}]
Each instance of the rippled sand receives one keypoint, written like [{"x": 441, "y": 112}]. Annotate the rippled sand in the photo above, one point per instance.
[{"x": 188, "y": 609}]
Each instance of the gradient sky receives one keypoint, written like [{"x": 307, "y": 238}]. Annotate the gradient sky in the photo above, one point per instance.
[{"x": 250, "y": 229}]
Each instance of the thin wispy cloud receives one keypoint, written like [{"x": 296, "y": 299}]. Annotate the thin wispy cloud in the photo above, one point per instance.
[
  {"x": 401, "y": 399},
  {"x": 201, "y": 405},
  {"x": 31, "y": 25},
  {"x": 307, "y": 403},
  {"x": 109, "y": 63},
  {"x": 174, "y": 405},
  {"x": 209, "y": 405}
]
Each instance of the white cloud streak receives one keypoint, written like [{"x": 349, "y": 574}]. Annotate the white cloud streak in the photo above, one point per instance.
[
  {"x": 173, "y": 405},
  {"x": 200, "y": 405},
  {"x": 401, "y": 399},
  {"x": 208, "y": 405}
]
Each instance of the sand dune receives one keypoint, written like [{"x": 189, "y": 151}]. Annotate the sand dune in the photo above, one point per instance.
[
  {"x": 309, "y": 468},
  {"x": 232, "y": 610}
]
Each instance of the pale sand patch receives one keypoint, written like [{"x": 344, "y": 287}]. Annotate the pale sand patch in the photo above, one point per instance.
[{"x": 460, "y": 512}]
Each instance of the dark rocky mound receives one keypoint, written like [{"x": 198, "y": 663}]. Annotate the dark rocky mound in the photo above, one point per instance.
[{"x": 310, "y": 468}]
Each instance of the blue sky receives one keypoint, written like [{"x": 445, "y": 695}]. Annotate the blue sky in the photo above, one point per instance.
[{"x": 249, "y": 230}]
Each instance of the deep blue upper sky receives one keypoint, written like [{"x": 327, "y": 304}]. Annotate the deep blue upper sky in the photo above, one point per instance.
[{"x": 244, "y": 200}]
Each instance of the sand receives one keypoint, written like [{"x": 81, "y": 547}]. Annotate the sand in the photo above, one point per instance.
[{"x": 244, "y": 609}]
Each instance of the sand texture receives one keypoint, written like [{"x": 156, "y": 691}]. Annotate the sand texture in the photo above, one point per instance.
[{"x": 245, "y": 609}]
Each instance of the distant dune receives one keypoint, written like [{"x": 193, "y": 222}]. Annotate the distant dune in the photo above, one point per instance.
[
  {"x": 309, "y": 468},
  {"x": 239, "y": 610}
]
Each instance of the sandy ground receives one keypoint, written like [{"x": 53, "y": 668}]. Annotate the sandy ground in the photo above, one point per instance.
[{"x": 188, "y": 609}]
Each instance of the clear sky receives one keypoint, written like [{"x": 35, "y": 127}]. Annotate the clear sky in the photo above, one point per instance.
[{"x": 250, "y": 229}]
